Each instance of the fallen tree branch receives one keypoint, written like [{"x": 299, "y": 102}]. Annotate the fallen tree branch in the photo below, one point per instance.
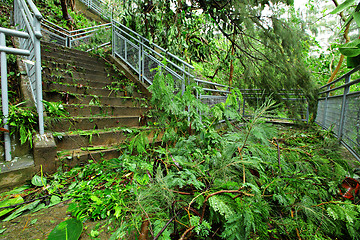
[
  {"x": 186, "y": 232},
  {"x": 278, "y": 150},
  {"x": 167, "y": 224}
]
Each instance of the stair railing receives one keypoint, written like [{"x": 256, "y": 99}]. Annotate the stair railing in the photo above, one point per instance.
[
  {"x": 339, "y": 110},
  {"x": 61, "y": 36},
  {"x": 27, "y": 17},
  {"x": 142, "y": 56},
  {"x": 4, "y": 82}
]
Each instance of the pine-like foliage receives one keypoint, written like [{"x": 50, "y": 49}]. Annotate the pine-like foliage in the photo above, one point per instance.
[{"x": 211, "y": 181}]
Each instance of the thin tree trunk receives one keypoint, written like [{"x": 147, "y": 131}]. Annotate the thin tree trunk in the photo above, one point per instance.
[
  {"x": 347, "y": 39},
  {"x": 231, "y": 64},
  {"x": 64, "y": 9}
]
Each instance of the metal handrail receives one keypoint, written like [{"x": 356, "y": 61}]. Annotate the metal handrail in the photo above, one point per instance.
[
  {"x": 90, "y": 28},
  {"x": 211, "y": 83},
  {"x": 27, "y": 17},
  {"x": 4, "y": 83},
  {"x": 145, "y": 49},
  {"x": 334, "y": 111},
  {"x": 70, "y": 36},
  {"x": 341, "y": 78},
  {"x": 55, "y": 27}
]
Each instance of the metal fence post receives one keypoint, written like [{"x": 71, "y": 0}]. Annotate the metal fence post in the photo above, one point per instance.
[
  {"x": 140, "y": 60},
  {"x": 113, "y": 38},
  {"x": 4, "y": 98},
  {"x": 183, "y": 80},
  {"x": 325, "y": 107},
  {"x": 143, "y": 61},
  {"x": 125, "y": 50},
  {"x": 37, "y": 49},
  {"x": 307, "y": 112},
  {"x": 343, "y": 108},
  {"x": 243, "y": 111}
]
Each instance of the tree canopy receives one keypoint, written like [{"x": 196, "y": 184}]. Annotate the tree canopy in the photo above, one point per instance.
[{"x": 248, "y": 43}]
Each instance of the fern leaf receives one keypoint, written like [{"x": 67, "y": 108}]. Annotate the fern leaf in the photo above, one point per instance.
[{"x": 219, "y": 204}]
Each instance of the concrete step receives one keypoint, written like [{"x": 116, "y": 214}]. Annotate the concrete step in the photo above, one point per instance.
[
  {"x": 48, "y": 48},
  {"x": 73, "y": 68},
  {"x": 93, "y": 123},
  {"x": 77, "y": 79},
  {"x": 91, "y": 110},
  {"x": 83, "y": 89},
  {"x": 68, "y": 98},
  {"x": 67, "y": 63},
  {"x": 73, "y": 157},
  {"x": 92, "y": 75},
  {"x": 78, "y": 157},
  {"x": 101, "y": 102},
  {"x": 89, "y": 138}
]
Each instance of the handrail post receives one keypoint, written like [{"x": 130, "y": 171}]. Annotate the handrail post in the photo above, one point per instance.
[
  {"x": 140, "y": 60},
  {"x": 243, "y": 111},
  {"x": 37, "y": 54},
  {"x": 143, "y": 62},
  {"x": 307, "y": 112},
  {"x": 343, "y": 108},
  {"x": 4, "y": 99},
  {"x": 112, "y": 38},
  {"x": 37, "y": 49},
  {"x": 325, "y": 107},
  {"x": 183, "y": 80},
  {"x": 125, "y": 50}
]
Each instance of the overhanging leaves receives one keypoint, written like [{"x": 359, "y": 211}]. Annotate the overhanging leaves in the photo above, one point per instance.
[
  {"x": 343, "y": 6},
  {"x": 351, "y": 49}
]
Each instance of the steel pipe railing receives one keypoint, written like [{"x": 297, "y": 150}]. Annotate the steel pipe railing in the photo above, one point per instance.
[
  {"x": 27, "y": 17},
  {"x": 339, "y": 110},
  {"x": 4, "y": 82}
]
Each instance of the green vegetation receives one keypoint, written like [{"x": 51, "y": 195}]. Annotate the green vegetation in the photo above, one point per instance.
[
  {"x": 239, "y": 180},
  {"x": 51, "y": 11}
]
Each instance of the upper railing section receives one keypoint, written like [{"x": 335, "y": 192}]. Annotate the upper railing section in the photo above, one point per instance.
[
  {"x": 213, "y": 93},
  {"x": 294, "y": 105},
  {"x": 339, "y": 109},
  {"x": 102, "y": 8},
  {"x": 27, "y": 17},
  {"x": 145, "y": 57},
  {"x": 72, "y": 39}
]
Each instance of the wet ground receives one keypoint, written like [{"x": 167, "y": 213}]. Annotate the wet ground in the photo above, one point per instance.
[{"x": 39, "y": 225}]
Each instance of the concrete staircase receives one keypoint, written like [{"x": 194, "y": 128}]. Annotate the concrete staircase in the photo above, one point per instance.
[{"x": 100, "y": 101}]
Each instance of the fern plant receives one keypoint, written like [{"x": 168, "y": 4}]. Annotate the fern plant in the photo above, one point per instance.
[{"x": 254, "y": 181}]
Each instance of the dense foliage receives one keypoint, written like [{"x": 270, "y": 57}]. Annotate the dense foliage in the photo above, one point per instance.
[
  {"x": 240, "y": 180},
  {"x": 248, "y": 44}
]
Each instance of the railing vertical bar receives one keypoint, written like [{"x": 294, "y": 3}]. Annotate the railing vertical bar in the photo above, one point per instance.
[
  {"x": 143, "y": 62},
  {"x": 183, "y": 80},
  {"x": 139, "y": 61},
  {"x": 112, "y": 39},
  {"x": 38, "y": 79},
  {"x": 5, "y": 99},
  {"x": 343, "y": 107},
  {"x": 326, "y": 104},
  {"x": 125, "y": 50},
  {"x": 307, "y": 112}
]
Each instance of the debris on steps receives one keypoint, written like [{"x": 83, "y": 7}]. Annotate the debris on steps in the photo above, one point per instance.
[{"x": 100, "y": 101}]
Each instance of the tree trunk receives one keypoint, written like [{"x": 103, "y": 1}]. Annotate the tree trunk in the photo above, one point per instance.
[
  {"x": 231, "y": 63},
  {"x": 65, "y": 12},
  {"x": 347, "y": 39}
]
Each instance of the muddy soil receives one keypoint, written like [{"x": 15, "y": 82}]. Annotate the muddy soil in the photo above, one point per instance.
[{"x": 39, "y": 225}]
